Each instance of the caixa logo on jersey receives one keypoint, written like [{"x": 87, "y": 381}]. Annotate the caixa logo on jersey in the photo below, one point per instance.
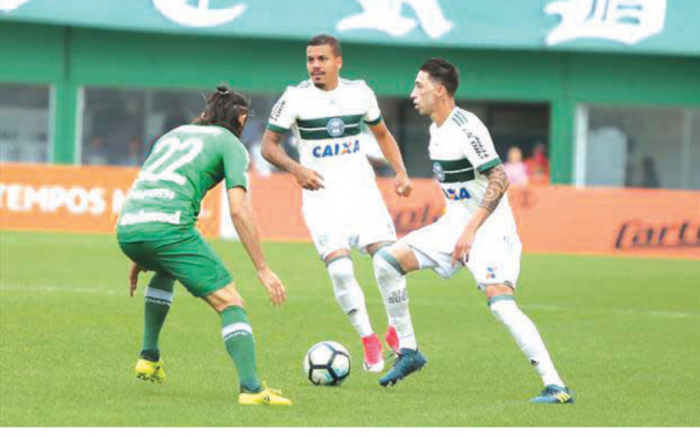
[
  {"x": 335, "y": 127},
  {"x": 337, "y": 149},
  {"x": 456, "y": 194}
]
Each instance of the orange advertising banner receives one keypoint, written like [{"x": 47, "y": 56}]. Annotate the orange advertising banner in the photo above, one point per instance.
[
  {"x": 551, "y": 219},
  {"x": 76, "y": 199}
]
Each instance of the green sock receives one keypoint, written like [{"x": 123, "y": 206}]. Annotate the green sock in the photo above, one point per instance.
[
  {"x": 159, "y": 297},
  {"x": 238, "y": 337}
]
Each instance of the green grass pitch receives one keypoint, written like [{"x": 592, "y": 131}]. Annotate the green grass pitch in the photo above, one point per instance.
[{"x": 624, "y": 334}]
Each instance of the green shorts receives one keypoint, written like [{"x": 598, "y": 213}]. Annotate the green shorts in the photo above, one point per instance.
[{"x": 185, "y": 257}]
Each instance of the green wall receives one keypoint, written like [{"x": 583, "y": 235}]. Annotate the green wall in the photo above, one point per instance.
[{"x": 69, "y": 58}]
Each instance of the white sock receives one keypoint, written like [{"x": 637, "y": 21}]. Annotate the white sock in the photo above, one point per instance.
[
  {"x": 349, "y": 295},
  {"x": 392, "y": 285},
  {"x": 527, "y": 337}
]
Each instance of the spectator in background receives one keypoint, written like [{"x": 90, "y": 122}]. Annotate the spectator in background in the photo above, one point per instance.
[
  {"x": 515, "y": 167},
  {"x": 134, "y": 156},
  {"x": 641, "y": 173},
  {"x": 650, "y": 175},
  {"x": 97, "y": 153},
  {"x": 538, "y": 165}
]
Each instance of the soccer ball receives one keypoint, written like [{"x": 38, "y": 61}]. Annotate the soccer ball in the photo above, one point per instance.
[{"x": 327, "y": 363}]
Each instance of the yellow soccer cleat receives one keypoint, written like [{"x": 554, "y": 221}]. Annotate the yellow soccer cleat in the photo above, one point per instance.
[
  {"x": 268, "y": 396},
  {"x": 150, "y": 370}
]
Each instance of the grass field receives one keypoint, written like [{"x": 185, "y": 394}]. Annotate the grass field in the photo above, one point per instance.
[{"x": 624, "y": 334}]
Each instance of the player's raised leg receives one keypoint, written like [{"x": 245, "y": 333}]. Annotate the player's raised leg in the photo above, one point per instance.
[
  {"x": 159, "y": 298},
  {"x": 238, "y": 339},
  {"x": 390, "y": 267},
  {"x": 503, "y": 306},
  {"x": 351, "y": 299}
]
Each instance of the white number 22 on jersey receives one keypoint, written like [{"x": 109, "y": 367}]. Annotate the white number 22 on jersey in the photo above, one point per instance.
[{"x": 170, "y": 155}]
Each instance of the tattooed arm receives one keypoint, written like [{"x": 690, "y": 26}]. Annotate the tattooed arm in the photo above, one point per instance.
[
  {"x": 495, "y": 190},
  {"x": 498, "y": 184}
]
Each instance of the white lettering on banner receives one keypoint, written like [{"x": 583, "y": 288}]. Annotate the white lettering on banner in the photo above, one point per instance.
[
  {"x": 625, "y": 21},
  {"x": 180, "y": 12},
  {"x": 385, "y": 16},
  {"x": 118, "y": 199},
  {"x": 76, "y": 200},
  {"x": 11, "y": 5}
]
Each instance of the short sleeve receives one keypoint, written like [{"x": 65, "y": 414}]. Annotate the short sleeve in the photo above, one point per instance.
[
  {"x": 478, "y": 146},
  {"x": 236, "y": 162},
  {"x": 282, "y": 116},
  {"x": 373, "y": 115}
]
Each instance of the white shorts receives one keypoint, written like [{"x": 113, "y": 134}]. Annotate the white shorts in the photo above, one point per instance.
[
  {"x": 494, "y": 258},
  {"x": 338, "y": 221}
]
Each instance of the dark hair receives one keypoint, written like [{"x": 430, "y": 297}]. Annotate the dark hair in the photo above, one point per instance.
[
  {"x": 224, "y": 106},
  {"x": 327, "y": 40},
  {"x": 443, "y": 72}
]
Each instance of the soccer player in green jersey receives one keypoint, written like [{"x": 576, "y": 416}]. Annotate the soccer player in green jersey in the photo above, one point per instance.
[{"x": 156, "y": 231}]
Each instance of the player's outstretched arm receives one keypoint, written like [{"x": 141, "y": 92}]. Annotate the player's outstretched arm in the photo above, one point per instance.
[
  {"x": 495, "y": 190},
  {"x": 392, "y": 153},
  {"x": 274, "y": 153},
  {"x": 244, "y": 221}
]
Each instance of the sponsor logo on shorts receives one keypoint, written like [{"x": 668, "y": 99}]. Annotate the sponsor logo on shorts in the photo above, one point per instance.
[
  {"x": 490, "y": 272},
  {"x": 337, "y": 149},
  {"x": 335, "y": 127},
  {"x": 323, "y": 240}
]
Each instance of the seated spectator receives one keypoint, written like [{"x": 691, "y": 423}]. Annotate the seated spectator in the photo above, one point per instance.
[
  {"x": 515, "y": 167},
  {"x": 538, "y": 165},
  {"x": 134, "y": 156},
  {"x": 97, "y": 153}
]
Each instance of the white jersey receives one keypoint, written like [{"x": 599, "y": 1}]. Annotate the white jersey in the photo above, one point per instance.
[
  {"x": 327, "y": 126},
  {"x": 461, "y": 151},
  {"x": 350, "y": 210}
]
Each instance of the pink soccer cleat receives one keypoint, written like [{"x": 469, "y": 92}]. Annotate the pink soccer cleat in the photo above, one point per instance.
[
  {"x": 374, "y": 362},
  {"x": 392, "y": 339}
]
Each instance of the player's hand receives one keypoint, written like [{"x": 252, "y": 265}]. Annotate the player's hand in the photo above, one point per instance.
[
  {"x": 402, "y": 184},
  {"x": 273, "y": 285},
  {"x": 309, "y": 179},
  {"x": 134, "y": 277},
  {"x": 460, "y": 254}
]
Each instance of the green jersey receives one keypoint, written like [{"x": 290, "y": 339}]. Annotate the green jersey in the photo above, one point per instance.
[{"x": 184, "y": 164}]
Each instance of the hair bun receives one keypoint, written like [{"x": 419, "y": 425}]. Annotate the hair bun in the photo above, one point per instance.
[{"x": 223, "y": 89}]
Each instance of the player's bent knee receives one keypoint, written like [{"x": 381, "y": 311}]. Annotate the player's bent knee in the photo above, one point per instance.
[
  {"x": 493, "y": 290},
  {"x": 373, "y": 248},
  {"x": 224, "y": 298},
  {"x": 341, "y": 272},
  {"x": 394, "y": 261}
]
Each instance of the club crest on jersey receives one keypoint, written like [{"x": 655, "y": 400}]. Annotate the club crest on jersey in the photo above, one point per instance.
[
  {"x": 454, "y": 194},
  {"x": 335, "y": 127},
  {"x": 336, "y": 149},
  {"x": 439, "y": 171}
]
